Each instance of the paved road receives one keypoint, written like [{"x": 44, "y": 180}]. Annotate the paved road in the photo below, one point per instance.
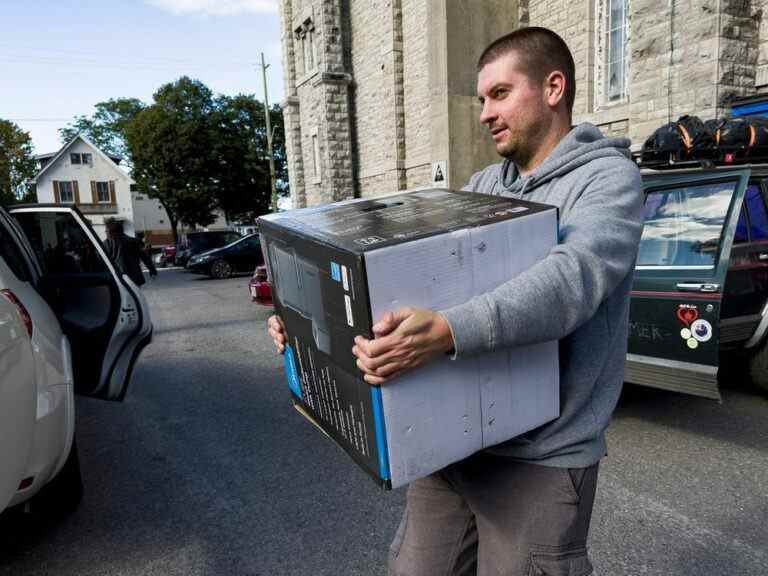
[{"x": 206, "y": 470}]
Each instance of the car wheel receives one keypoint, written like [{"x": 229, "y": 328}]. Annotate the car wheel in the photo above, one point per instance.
[
  {"x": 221, "y": 269},
  {"x": 758, "y": 367}
]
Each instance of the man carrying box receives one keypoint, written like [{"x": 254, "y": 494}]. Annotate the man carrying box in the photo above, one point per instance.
[{"x": 524, "y": 506}]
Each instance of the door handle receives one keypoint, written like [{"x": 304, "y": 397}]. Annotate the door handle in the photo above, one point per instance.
[
  {"x": 696, "y": 287},
  {"x": 762, "y": 256}
]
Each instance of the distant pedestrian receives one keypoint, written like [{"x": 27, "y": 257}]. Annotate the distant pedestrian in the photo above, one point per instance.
[{"x": 127, "y": 253}]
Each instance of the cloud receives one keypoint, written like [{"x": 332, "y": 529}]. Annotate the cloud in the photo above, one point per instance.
[{"x": 215, "y": 7}]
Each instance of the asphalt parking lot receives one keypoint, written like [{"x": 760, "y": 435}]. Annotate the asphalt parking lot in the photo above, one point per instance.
[{"x": 205, "y": 469}]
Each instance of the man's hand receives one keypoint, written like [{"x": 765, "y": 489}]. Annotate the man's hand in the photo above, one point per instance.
[
  {"x": 276, "y": 329},
  {"x": 403, "y": 340}
]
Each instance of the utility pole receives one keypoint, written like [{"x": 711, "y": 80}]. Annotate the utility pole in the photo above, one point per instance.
[{"x": 273, "y": 188}]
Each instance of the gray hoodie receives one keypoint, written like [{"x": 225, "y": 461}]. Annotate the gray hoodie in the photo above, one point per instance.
[{"x": 579, "y": 294}]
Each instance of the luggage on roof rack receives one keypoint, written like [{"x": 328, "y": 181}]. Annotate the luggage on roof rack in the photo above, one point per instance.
[
  {"x": 689, "y": 141},
  {"x": 686, "y": 139}
]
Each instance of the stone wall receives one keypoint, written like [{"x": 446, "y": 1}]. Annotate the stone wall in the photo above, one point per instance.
[{"x": 416, "y": 93}]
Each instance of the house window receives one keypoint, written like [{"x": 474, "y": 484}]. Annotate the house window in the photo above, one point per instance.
[
  {"x": 102, "y": 193},
  {"x": 66, "y": 193},
  {"x": 612, "y": 51},
  {"x": 77, "y": 158}
]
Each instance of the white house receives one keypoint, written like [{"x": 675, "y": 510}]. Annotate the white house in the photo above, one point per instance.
[{"x": 81, "y": 174}]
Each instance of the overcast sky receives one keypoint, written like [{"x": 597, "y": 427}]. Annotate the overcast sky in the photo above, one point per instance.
[{"x": 60, "y": 57}]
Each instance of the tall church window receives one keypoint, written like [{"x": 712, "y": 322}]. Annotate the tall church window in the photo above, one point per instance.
[
  {"x": 305, "y": 36},
  {"x": 315, "y": 158},
  {"x": 612, "y": 58}
]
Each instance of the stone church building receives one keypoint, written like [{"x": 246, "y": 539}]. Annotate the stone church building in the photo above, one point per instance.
[{"x": 380, "y": 94}]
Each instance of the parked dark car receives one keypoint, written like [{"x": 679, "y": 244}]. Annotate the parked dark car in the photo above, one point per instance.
[
  {"x": 194, "y": 243},
  {"x": 239, "y": 256},
  {"x": 260, "y": 287}
]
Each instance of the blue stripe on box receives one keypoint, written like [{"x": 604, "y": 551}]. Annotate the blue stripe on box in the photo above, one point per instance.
[
  {"x": 335, "y": 272},
  {"x": 294, "y": 382},
  {"x": 381, "y": 434}
]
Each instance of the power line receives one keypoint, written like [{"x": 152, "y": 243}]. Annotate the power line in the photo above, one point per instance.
[
  {"x": 144, "y": 59},
  {"x": 90, "y": 64},
  {"x": 40, "y": 119}
]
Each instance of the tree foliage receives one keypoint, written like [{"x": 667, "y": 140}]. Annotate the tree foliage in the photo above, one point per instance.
[
  {"x": 170, "y": 143},
  {"x": 197, "y": 153},
  {"x": 17, "y": 163},
  {"x": 107, "y": 127},
  {"x": 240, "y": 150}
]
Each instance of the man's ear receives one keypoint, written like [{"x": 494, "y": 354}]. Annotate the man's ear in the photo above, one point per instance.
[{"x": 554, "y": 88}]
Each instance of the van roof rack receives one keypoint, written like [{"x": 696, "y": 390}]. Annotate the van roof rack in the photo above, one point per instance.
[{"x": 724, "y": 158}]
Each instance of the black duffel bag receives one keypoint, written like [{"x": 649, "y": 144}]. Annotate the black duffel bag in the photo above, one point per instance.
[
  {"x": 735, "y": 135},
  {"x": 684, "y": 139}
]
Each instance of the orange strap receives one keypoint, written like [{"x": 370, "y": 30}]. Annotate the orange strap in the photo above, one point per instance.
[{"x": 686, "y": 137}]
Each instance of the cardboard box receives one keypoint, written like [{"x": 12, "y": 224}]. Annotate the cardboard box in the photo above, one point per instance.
[{"x": 336, "y": 269}]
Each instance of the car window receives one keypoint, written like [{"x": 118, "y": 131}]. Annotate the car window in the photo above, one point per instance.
[
  {"x": 758, "y": 219},
  {"x": 11, "y": 253},
  {"x": 741, "y": 235},
  {"x": 60, "y": 243},
  {"x": 683, "y": 225}
]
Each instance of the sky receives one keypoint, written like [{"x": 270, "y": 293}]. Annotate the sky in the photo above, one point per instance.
[{"x": 58, "y": 58}]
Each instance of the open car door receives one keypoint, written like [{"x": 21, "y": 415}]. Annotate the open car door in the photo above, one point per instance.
[
  {"x": 674, "y": 332},
  {"x": 104, "y": 315}
]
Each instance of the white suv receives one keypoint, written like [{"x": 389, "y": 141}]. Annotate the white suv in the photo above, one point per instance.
[{"x": 69, "y": 323}]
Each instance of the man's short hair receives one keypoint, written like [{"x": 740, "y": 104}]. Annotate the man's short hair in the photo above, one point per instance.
[{"x": 541, "y": 53}]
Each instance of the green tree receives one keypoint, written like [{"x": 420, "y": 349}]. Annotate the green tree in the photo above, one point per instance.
[
  {"x": 171, "y": 143},
  {"x": 107, "y": 127},
  {"x": 240, "y": 152},
  {"x": 17, "y": 163}
]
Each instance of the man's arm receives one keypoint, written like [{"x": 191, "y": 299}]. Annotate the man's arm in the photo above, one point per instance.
[
  {"x": 599, "y": 236},
  {"x": 598, "y": 245}
]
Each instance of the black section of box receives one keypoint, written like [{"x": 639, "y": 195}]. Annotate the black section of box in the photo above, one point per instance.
[{"x": 333, "y": 392}]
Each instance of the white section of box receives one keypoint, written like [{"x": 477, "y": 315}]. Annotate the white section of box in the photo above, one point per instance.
[{"x": 450, "y": 409}]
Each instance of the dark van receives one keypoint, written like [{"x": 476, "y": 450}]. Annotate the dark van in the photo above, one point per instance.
[{"x": 700, "y": 290}]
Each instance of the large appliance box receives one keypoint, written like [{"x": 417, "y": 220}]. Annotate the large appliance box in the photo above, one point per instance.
[{"x": 336, "y": 269}]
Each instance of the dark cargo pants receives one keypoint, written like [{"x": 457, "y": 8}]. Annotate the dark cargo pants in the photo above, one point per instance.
[{"x": 491, "y": 516}]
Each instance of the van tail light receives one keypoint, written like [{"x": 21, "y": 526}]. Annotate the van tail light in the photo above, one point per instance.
[{"x": 11, "y": 297}]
